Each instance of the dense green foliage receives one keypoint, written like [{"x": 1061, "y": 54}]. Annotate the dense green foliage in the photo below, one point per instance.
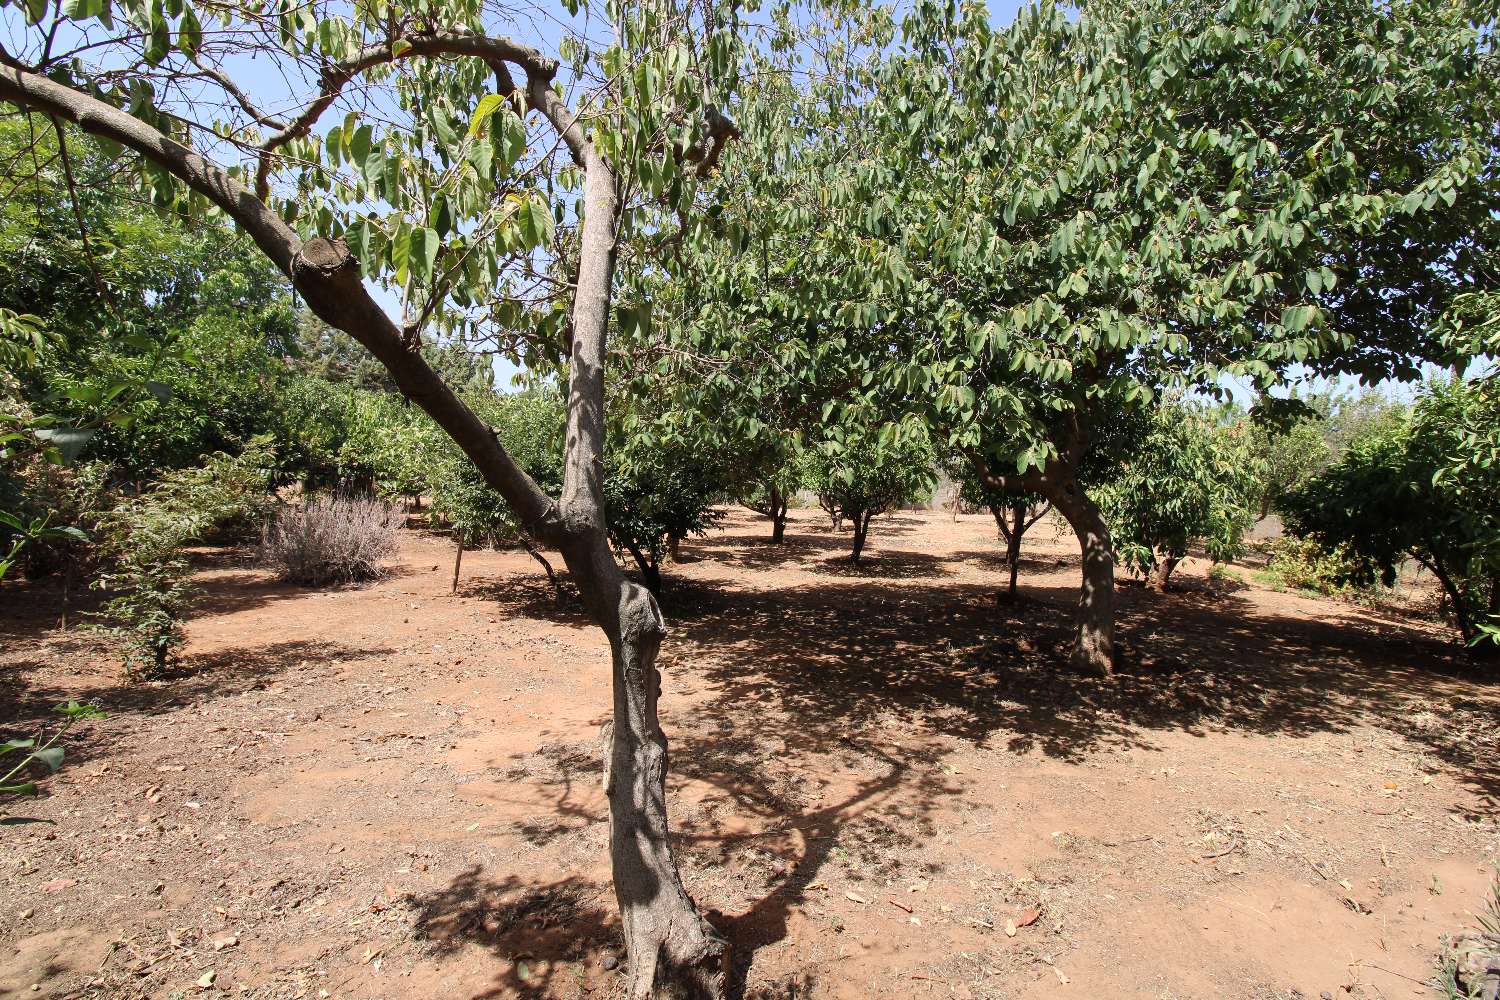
[
  {"x": 1189, "y": 480},
  {"x": 1420, "y": 487},
  {"x": 142, "y": 540},
  {"x": 860, "y": 471}
]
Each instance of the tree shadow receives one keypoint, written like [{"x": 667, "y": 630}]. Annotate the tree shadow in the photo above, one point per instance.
[
  {"x": 887, "y": 565},
  {"x": 27, "y": 701},
  {"x": 945, "y": 657},
  {"x": 528, "y": 595},
  {"x": 543, "y": 931}
]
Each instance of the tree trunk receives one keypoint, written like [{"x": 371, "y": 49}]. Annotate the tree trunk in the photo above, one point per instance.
[
  {"x": 673, "y": 952},
  {"x": 1094, "y": 642},
  {"x": 674, "y": 548},
  {"x": 1013, "y": 555},
  {"x": 536, "y": 554},
  {"x": 1161, "y": 573},
  {"x": 1455, "y": 598},
  {"x": 779, "y": 502},
  {"x": 861, "y": 523},
  {"x": 458, "y": 558}
]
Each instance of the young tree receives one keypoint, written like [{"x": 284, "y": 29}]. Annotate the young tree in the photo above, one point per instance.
[
  {"x": 861, "y": 471},
  {"x": 1190, "y": 480},
  {"x": 1287, "y": 457},
  {"x": 1014, "y": 514},
  {"x": 143, "y": 538},
  {"x": 494, "y": 206},
  {"x": 662, "y": 483},
  {"x": 773, "y": 474},
  {"x": 530, "y": 425},
  {"x": 1418, "y": 488}
]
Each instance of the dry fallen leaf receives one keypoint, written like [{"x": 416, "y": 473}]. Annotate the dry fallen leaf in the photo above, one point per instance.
[
  {"x": 227, "y": 941},
  {"x": 1010, "y": 928},
  {"x": 207, "y": 979},
  {"x": 856, "y": 897},
  {"x": 1028, "y": 916}
]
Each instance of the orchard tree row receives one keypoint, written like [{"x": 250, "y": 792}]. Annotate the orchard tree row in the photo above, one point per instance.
[{"x": 739, "y": 250}]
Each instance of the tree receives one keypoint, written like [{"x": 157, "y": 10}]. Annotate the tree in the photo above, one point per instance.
[
  {"x": 143, "y": 540},
  {"x": 860, "y": 471},
  {"x": 530, "y": 425},
  {"x": 662, "y": 483},
  {"x": 1014, "y": 514},
  {"x": 471, "y": 215},
  {"x": 1056, "y": 222},
  {"x": 1418, "y": 488},
  {"x": 773, "y": 473},
  {"x": 1287, "y": 456},
  {"x": 1190, "y": 480}
]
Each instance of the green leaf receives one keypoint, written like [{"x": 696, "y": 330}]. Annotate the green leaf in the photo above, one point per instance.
[
  {"x": 27, "y": 789},
  {"x": 52, "y": 758},
  {"x": 189, "y": 33},
  {"x": 158, "y": 42},
  {"x": 10, "y": 745},
  {"x": 400, "y": 47},
  {"x": 488, "y": 105},
  {"x": 358, "y": 144},
  {"x": 422, "y": 252}
]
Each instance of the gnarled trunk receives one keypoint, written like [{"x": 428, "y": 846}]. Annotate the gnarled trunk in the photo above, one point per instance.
[
  {"x": 673, "y": 951},
  {"x": 1094, "y": 642},
  {"x": 861, "y": 532}
]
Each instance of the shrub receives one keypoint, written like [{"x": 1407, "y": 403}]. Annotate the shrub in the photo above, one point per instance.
[
  {"x": 860, "y": 471},
  {"x": 142, "y": 542},
  {"x": 1304, "y": 564},
  {"x": 331, "y": 539},
  {"x": 1419, "y": 486}
]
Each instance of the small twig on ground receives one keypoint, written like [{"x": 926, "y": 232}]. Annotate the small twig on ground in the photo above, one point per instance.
[{"x": 1234, "y": 845}]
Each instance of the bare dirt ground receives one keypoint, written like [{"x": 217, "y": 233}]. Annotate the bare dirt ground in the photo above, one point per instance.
[{"x": 883, "y": 785}]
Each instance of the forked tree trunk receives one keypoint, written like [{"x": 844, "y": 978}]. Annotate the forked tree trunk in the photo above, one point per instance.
[
  {"x": 1013, "y": 523},
  {"x": 861, "y": 522},
  {"x": 1094, "y": 640}
]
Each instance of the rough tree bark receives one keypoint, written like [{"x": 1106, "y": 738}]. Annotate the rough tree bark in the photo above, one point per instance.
[
  {"x": 1094, "y": 643},
  {"x": 861, "y": 522},
  {"x": 1094, "y": 625},
  {"x": 1161, "y": 572},
  {"x": 673, "y": 951}
]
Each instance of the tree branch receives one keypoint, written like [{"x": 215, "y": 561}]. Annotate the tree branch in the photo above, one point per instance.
[{"x": 322, "y": 270}]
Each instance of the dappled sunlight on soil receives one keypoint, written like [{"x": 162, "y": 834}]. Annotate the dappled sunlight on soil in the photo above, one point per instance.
[{"x": 884, "y": 782}]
